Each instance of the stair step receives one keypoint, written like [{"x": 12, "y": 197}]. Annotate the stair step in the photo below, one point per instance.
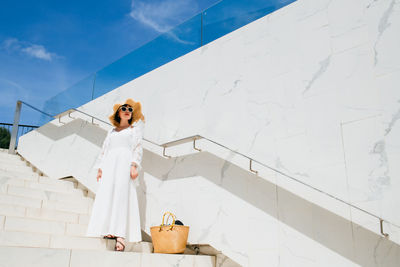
[
  {"x": 5, "y": 182},
  {"x": 84, "y": 219},
  {"x": 9, "y": 156},
  {"x": 47, "y": 195},
  {"x": 77, "y": 242},
  {"x": 52, "y": 215},
  {"x": 44, "y": 214},
  {"x": 34, "y": 225},
  {"x": 17, "y": 162},
  {"x": 161, "y": 260},
  {"x": 61, "y": 188},
  {"x": 50, "y": 257},
  {"x": 20, "y": 201},
  {"x": 48, "y": 180},
  {"x": 12, "y": 181},
  {"x": 26, "y": 239},
  {"x": 15, "y": 167},
  {"x": 75, "y": 229},
  {"x": 82, "y": 208},
  {"x": 143, "y": 247},
  {"x": 22, "y": 176},
  {"x": 12, "y": 210},
  {"x": 38, "y": 257}
]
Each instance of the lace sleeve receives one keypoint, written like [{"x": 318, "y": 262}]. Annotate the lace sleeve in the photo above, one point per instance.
[
  {"x": 137, "y": 152},
  {"x": 99, "y": 160}
]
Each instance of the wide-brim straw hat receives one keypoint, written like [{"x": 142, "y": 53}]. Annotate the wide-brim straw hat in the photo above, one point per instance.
[{"x": 136, "y": 114}]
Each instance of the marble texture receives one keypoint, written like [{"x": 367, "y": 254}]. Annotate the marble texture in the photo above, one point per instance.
[
  {"x": 43, "y": 257},
  {"x": 312, "y": 91},
  {"x": 300, "y": 80}
]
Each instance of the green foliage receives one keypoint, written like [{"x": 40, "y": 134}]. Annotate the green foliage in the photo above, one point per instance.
[{"x": 5, "y": 137}]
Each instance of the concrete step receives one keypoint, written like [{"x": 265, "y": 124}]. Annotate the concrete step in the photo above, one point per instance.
[
  {"x": 49, "y": 257},
  {"x": 34, "y": 225},
  {"x": 6, "y": 156},
  {"x": 41, "y": 225},
  {"x": 63, "y": 187},
  {"x": 63, "y": 235},
  {"x": 144, "y": 247},
  {"x": 78, "y": 242},
  {"x": 31, "y": 176},
  {"x": 51, "y": 215},
  {"x": 81, "y": 208},
  {"x": 84, "y": 218},
  {"x": 48, "y": 180},
  {"x": 35, "y": 236},
  {"x": 20, "y": 201},
  {"x": 12, "y": 210},
  {"x": 44, "y": 214},
  {"x": 25, "y": 239},
  {"x": 6, "y": 181},
  {"x": 15, "y": 167},
  {"x": 17, "y": 162},
  {"x": 19, "y": 190}
]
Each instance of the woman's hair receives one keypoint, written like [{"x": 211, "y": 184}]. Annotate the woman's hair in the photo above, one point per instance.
[{"x": 117, "y": 118}]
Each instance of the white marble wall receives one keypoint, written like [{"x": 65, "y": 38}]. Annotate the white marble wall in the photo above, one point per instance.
[{"x": 311, "y": 90}]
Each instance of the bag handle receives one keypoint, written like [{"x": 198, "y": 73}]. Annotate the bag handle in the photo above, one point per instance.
[{"x": 173, "y": 219}]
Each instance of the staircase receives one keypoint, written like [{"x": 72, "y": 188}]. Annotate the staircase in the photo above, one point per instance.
[{"x": 43, "y": 222}]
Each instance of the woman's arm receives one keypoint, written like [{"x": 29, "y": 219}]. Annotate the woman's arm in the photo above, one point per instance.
[
  {"x": 137, "y": 152},
  {"x": 99, "y": 160}
]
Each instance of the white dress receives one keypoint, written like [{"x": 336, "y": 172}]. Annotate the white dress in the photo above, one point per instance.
[{"x": 115, "y": 209}]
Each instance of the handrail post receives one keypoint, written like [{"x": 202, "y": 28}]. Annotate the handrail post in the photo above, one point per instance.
[
  {"x": 14, "y": 133},
  {"x": 194, "y": 145},
  {"x": 381, "y": 225},
  {"x": 256, "y": 172}
]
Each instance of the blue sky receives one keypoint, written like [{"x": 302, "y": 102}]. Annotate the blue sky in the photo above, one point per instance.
[{"x": 47, "y": 46}]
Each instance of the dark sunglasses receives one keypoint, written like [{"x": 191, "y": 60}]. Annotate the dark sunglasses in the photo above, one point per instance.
[{"x": 125, "y": 108}]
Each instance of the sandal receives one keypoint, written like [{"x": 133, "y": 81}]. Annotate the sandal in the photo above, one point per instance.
[
  {"x": 117, "y": 241},
  {"x": 109, "y": 237}
]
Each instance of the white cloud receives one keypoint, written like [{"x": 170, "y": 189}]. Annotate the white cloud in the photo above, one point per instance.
[
  {"x": 11, "y": 44},
  {"x": 32, "y": 50},
  {"x": 163, "y": 15},
  {"x": 38, "y": 51}
]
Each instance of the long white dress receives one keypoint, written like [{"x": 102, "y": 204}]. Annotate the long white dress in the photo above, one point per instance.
[{"x": 115, "y": 209}]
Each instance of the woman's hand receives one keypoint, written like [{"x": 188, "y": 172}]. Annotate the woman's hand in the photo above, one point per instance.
[
  {"x": 134, "y": 172},
  {"x": 99, "y": 173}
]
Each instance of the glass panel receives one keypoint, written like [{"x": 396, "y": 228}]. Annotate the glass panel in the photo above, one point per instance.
[
  {"x": 29, "y": 116},
  {"x": 73, "y": 97},
  {"x": 181, "y": 40},
  {"x": 229, "y": 15},
  {"x": 220, "y": 19}
]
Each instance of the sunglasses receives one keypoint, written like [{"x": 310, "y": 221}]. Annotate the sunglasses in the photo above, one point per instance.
[{"x": 125, "y": 109}]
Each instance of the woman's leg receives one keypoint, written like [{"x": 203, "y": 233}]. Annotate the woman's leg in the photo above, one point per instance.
[{"x": 120, "y": 243}]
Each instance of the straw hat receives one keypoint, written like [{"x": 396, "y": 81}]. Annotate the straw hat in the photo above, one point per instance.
[{"x": 136, "y": 115}]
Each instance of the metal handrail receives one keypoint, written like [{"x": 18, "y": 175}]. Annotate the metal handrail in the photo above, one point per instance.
[
  {"x": 69, "y": 111},
  {"x": 197, "y": 137},
  {"x": 21, "y": 125},
  {"x": 29, "y": 105}
]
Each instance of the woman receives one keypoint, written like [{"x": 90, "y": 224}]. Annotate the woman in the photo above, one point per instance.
[{"x": 115, "y": 212}]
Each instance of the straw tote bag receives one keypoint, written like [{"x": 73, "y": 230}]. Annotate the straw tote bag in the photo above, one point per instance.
[{"x": 169, "y": 238}]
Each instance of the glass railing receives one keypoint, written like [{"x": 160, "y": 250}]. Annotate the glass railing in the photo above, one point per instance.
[{"x": 207, "y": 26}]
